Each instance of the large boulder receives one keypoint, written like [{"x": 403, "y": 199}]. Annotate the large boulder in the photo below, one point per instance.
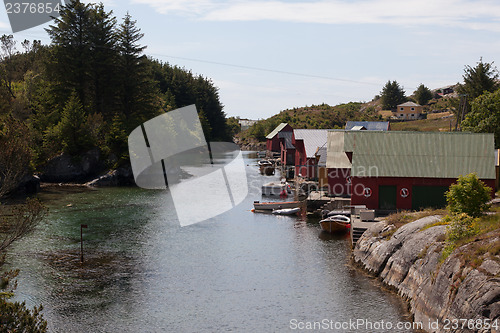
[{"x": 66, "y": 169}]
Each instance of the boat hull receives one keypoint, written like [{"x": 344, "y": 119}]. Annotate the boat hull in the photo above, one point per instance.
[
  {"x": 275, "y": 189},
  {"x": 286, "y": 211},
  {"x": 334, "y": 226},
  {"x": 275, "y": 205}
]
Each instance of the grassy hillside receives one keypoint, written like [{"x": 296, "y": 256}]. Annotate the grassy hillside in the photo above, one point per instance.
[
  {"x": 325, "y": 116},
  {"x": 321, "y": 116},
  {"x": 439, "y": 122}
]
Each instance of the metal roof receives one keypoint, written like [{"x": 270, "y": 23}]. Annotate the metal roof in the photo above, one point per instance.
[
  {"x": 369, "y": 125},
  {"x": 287, "y": 136},
  {"x": 409, "y": 104},
  {"x": 313, "y": 138},
  {"x": 276, "y": 131},
  {"x": 321, "y": 152},
  {"x": 421, "y": 154},
  {"x": 336, "y": 156}
]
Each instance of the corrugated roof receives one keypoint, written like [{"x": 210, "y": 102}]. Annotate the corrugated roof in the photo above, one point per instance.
[
  {"x": 288, "y": 139},
  {"x": 409, "y": 104},
  {"x": 336, "y": 157},
  {"x": 276, "y": 131},
  {"x": 369, "y": 125},
  {"x": 420, "y": 154},
  {"x": 321, "y": 152},
  {"x": 313, "y": 138}
]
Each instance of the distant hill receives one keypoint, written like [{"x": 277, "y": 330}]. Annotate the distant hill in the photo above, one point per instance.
[
  {"x": 324, "y": 116},
  {"x": 321, "y": 116}
]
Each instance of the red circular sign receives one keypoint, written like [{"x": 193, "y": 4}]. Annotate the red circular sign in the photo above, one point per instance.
[
  {"x": 367, "y": 192},
  {"x": 404, "y": 192}
]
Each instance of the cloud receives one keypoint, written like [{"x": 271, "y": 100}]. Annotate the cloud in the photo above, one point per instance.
[{"x": 471, "y": 14}]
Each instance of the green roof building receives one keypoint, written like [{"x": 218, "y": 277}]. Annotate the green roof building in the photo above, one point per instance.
[{"x": 411, "y": 170}]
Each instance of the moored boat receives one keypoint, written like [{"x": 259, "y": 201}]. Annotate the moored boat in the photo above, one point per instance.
[
  {"x": 336, "y": 223},
  {"x": 257, "y": 205},
  {"x": 266, "y": 167},
  {"x": 286, "y": 211},
  {"x": 273, "y": 188}
]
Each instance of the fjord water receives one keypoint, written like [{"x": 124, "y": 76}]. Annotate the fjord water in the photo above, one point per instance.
[{"x": 240, "y": 271}]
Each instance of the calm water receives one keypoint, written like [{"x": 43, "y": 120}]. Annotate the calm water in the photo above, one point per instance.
[{"x": 241, "y": 271}]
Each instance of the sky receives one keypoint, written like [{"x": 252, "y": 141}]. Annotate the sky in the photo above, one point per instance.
[{"x": 267, "y": 56}]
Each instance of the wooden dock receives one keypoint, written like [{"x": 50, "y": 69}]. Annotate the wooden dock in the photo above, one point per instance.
[{"x": 361, "y": 220}]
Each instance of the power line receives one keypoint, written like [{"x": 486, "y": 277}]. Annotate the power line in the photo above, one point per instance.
[{"x": 266, "y": 69}]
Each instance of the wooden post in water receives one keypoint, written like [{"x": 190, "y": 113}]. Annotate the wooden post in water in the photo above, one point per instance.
[{"x": 81, "y": 241}]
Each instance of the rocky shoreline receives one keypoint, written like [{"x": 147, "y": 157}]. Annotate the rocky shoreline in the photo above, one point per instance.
[{"x": 439, "y": 293}]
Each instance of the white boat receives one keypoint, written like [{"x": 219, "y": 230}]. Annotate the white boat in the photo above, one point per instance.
[
  {"x": 286, "y": 211},
  {"x": 275, "y": 205},
  {"x": 276, "y": 189},
  {"x": 336, "y": 223}
]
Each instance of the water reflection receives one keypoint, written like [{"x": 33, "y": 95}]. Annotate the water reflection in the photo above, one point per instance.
[{"x": 239, "y": 271}]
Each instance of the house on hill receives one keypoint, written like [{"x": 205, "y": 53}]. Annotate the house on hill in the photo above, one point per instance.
[
  {"x": 246, "y": 123},
  {"x": 412, "y": 170},
  {"x": 368, "y": 125},
  {"x": 273, "y": 138},
  {"x": 408, "y": 111}
]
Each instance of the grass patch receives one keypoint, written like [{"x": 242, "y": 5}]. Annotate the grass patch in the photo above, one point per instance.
[
  {"x": 425, "y": 125},
  {"x": 483, "y": 228},
  {"x": 401, "y": 218}
]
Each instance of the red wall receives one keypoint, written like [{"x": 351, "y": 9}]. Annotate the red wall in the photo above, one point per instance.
[
  {"x": 371, "y": 202},
  {"x": 273, "y": 144},
  {"x": 338, "y": 184},
  {"x": 306, "y": 168}
]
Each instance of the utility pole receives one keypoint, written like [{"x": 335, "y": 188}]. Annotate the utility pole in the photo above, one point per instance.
[
  {"x": 462, "y": 111},
  {"x": 82, "y": 226}
]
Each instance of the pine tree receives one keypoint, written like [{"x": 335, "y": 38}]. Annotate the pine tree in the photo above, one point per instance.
[
  {"x": 103, "y": 69},
  {"x": 71, "y": 52},
  {"x": 137, "y": 91},
  {"x": 478, "y": 80},
  {"x": 423, "y": 94},
  {"x": 74, "y": 133},
  {"x": 84, "y": 56},
  {"x": 392, "y": 95}
]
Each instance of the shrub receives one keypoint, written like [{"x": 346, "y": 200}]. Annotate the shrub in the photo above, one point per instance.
[
  {"x": 460, "y": 226},
  {"x": 469, "y": 195}
]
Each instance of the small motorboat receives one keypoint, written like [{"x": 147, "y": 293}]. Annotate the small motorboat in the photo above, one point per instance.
[
  {"x": 257, "y": 205},
  {"x": 274, "y": 188},
  {"x": 286, "y": 211},
  {"x": 335, "y": 223},
  {"x": 266, "y": 167}
]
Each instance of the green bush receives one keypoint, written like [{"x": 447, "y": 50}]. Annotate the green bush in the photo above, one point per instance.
[
  {"x": 469, "y": 195},
  {"x": 460, "y": 226}
]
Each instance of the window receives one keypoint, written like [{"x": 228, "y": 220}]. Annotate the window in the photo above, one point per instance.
[
  {"x": 413, "y": 115},
  {"x": 401, "y": 109},
  {"x": 402, "y": 115},
  {"x": 413, "y": 109}
]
